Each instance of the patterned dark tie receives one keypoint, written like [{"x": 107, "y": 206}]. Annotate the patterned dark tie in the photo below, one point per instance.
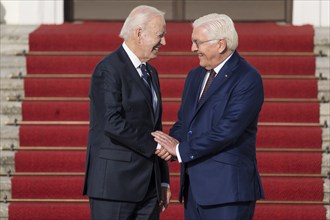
[
  {"x": 208, "y": 83},
  {"x": 145, "y": 76},
  {"x": 147, "y": 82}
]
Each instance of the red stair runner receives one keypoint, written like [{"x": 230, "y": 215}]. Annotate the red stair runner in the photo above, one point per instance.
[
  {"x": 305, "y": 112},
  {"x": 76, "y": 135},
  {"x": 80, "y": 211},
  {"x": 293, "y": 188},
  {"x": 170, "y": 88},
  {"x": 101, "y": 36},
  {"x": 85, "y": 64},
  {"x": 74, "y": 161},
  {"x": 70, "y": 187}
]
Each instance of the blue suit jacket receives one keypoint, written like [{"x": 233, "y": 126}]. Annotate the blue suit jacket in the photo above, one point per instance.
[
  {"x": 120, "y": 155},
  {"x": 218, "y": 136}
]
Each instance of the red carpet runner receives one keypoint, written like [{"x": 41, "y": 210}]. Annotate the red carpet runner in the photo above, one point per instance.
[{"x": 56, "y": 114}]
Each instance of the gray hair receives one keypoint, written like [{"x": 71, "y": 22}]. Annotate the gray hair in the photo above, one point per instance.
[
  {"x": 139, "y": 17},
  {"x": 219, "y": 26}
]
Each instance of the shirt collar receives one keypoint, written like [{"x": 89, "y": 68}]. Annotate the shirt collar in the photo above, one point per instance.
[
  {"x": 134, "y": 59},
  {"x": 218, "y": 68}
]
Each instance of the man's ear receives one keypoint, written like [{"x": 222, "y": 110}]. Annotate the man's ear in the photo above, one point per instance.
[
  {"x": 138, "y": 32},
  {"x": 222, "y": 46}
]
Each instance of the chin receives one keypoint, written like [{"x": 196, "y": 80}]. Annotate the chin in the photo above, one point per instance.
[
  {"x": 154, "y": 55},
  {"x": 201, "y": 63}
]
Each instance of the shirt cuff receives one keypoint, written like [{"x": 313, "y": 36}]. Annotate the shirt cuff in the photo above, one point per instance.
[
  {"x": 165, "y": 185},
  {"x": 178, "y": 153},
  {"x": 158, "y": 147}
]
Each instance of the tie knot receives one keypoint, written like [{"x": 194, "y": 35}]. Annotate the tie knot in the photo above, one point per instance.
[
  {"x": 212, "y": 73},
  {"x": 143, "y": 68},
  {"x": 145, "y": 75},
  {"x": 208, "y": 83}
]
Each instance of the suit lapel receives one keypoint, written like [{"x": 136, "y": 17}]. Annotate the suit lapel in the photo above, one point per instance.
[
  {"x": 133, "y": 77},
  {"x": 156, "y": 86},
  {"x": 199, "y": 82},
  {"x": 224, "y": 75},
  {"x": 193, "y": 93},
  {"x": 216, "y": 84}
]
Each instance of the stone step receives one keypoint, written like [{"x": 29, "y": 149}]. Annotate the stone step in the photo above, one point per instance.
[
  {"x": 9, "y": 135},
  {"x": 5, "y": 188},
  {"x": 3, "y": 211},
  {"x": 322, "y": 40},
  {"x": 7, "y": 159},
  {"x": 323, "y": 67},
  {"x": 16, "y": 34},
  {"x": 12, "y": 61}
]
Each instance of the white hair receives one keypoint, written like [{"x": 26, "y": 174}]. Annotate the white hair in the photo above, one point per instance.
[
  {"x": 219, "y": 26},
  {"x": 139, "y": 17}
]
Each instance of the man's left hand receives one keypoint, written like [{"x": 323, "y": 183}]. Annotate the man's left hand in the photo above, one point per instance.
[{"x": 166, "y": 196}]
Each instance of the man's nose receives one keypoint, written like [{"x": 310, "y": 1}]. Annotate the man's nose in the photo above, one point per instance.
[{"x": 163, "y": 41}]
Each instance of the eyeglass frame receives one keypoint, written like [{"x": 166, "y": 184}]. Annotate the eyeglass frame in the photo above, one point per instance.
[{"x": 197, "y": 44}]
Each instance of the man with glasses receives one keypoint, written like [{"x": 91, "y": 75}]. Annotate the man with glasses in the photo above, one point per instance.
[{"x": 214, "y": 137}]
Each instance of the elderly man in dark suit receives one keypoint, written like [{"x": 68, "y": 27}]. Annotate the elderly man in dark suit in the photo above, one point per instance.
[
  {"x": 125, "y": 179},
  {"x": 215, "y": 133}
]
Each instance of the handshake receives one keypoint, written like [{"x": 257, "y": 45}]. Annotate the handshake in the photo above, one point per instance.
[{"x": 168, "y": 145}]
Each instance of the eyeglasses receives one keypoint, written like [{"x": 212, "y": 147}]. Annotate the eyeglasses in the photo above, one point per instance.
[{"x": 202, "y": 42}]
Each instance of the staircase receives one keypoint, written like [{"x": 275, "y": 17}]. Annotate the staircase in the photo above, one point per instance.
[{"x": 44, "y": 119}]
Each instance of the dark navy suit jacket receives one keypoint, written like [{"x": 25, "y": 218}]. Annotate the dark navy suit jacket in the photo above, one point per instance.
[
  {"x": 120, "y": 155},
  {"x": 218, "y": 135}
]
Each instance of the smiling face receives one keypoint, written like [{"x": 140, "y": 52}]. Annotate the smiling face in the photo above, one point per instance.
[
  {"x": 152, "y": 38},
  {"x": 211, "y": 52}
]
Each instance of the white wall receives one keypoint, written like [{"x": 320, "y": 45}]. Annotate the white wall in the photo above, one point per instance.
[
  {"x": 32, "y": 11},
  {"x": 315, "y": 12}
]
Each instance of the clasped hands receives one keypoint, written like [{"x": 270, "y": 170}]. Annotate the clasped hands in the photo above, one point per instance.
[{"x": 168, "y": 145}]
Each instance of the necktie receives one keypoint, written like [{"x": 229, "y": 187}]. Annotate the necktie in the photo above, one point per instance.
[
  {"x": 145, "y": 76},
  {"x": 147, "y": 82},
  {"x": 208, "y": 83}
]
